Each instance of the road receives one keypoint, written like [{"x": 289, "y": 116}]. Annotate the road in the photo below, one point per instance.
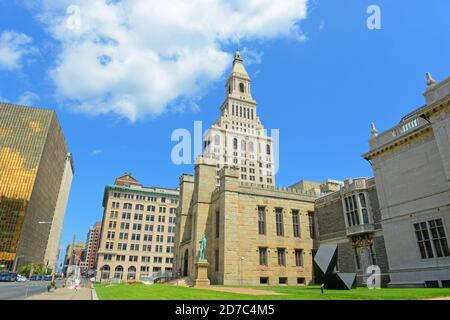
[{"x": 19, "y": 290}]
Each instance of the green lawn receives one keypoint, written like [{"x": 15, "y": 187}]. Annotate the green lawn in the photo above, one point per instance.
[{"x": 168, "y": 292}]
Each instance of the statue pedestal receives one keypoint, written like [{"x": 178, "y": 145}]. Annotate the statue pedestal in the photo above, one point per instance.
[{"x": 201, "y": 274}]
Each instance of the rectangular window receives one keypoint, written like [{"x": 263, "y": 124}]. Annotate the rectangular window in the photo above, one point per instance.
[
  {"x": 439, "y": 239},
  {"x": 283, "y": 280},
  {"x": 216, "y": 260},
  {"x": 279, "y": 221},
  {"x": 262, "y": 220},
  {"x": 312, "y": 225},
  {"x": 362, "y": 201},
  {"x": 299, "y": 257},
  {"x": 264, "y": 280},
  {"x": 423, "y": 240},
  {"x": 373, "y": 258},
  {"x": 351, "y": 209},
  {"x": 296, "y": 223},
  {"x": 357, "y": 259},
  {"x": 217, "y": 224},
  {"x": 281, "y": 253},
  {"x": 263, "y": 256}
]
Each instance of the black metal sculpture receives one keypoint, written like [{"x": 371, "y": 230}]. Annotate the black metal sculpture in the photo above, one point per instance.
[{"x": 325, "y": 261}]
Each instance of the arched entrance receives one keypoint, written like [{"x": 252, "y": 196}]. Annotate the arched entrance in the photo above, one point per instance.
[
  {"x": 186, "y": 263},
  {"x": 105, "y": 272},
  {"x": 118, "y": 272},
  {"x": 131, "y": 275}
]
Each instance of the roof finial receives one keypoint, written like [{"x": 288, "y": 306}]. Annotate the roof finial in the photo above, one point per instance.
[
  {"x": 430, "y": 80},
  {"x": 237, "y": 56},
  {"x": 373, "y": 130}
]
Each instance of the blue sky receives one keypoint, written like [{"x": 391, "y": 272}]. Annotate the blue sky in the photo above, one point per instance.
[{"x": 321, "y": 79}]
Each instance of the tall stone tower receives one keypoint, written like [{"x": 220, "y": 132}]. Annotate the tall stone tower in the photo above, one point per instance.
[{"x": 238, "y": 138}]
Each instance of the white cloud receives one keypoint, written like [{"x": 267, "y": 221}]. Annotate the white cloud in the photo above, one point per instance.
[
  {"x": 96, "y": 152},
  {"x": 13, "y": 47},
  {"x": 322, "y": 25},
  {"x": 136, "y": 58},
  {"x": 252, "y": 56},
  {"x": 28, "y": 98}
]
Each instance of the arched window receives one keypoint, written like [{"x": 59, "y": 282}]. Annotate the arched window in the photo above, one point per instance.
[
  {"x": 268, "y": 149},
  {"x": 118, "y": 272},
  {"x": 105, "y": 271},
  {"x": 241, "y": 87},
  {"x": 131, "y": 273},
  {"x": 243, "y": 145},
  {"x": 217, "y": 140},
  {"x": 235, "y": 143}
]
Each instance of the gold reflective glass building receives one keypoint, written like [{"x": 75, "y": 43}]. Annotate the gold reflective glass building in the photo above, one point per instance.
[{"x": 35, "y": 176}]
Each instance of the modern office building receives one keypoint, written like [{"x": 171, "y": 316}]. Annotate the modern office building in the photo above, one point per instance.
[
  {"x": 138, "y": 230},
  {"x": 93, "y": 242},
  {"x": 36, "y": 172},
  {"x": 350, "y": 218},
  {"x": 256, "y": 233},
  {"x": 411, "y": 164}
]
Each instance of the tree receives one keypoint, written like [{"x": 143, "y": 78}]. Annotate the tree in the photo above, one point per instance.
[{"x": 37, "y": 270}]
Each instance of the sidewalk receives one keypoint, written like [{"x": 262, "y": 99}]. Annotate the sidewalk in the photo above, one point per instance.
[{"x": 64, "y": 294}]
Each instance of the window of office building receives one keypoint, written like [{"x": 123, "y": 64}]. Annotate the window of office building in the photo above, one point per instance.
[
  {"x": 364, "y": 210},
  {"x": 263, "y": 256},
  {"x": 279, "y": 221},
  {"x": 351, "y": 210},
  {"x": 357, "y": 259},
  {"x": 296, "y": 223},
  {"x": 312, "y": 225},
  {"x": 281, "y": 253},
  {"x": 262, "y": 220},
  {"x": 217, "y": 224},
  {"x": 216, "y": 260},
  {"x": 299, "y": 257},
  {"x": 431, "y": 239}
]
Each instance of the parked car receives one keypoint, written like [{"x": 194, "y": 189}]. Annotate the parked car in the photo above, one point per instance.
[
  {"x": 21, "y": 278},
  {"x": 8, "y": 276},
  {"x": 48, "y": 278},
  {"x": 37, "y": 278}
]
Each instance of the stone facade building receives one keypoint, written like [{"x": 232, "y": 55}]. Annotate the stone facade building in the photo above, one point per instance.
[
  {"x": 351, "y": 218},
  {"x": 256, "y": 233},
  {"x": 411, "y": 164},
  {"x": 36, "y": 171},
  {"x": 138, "y": 230}
]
